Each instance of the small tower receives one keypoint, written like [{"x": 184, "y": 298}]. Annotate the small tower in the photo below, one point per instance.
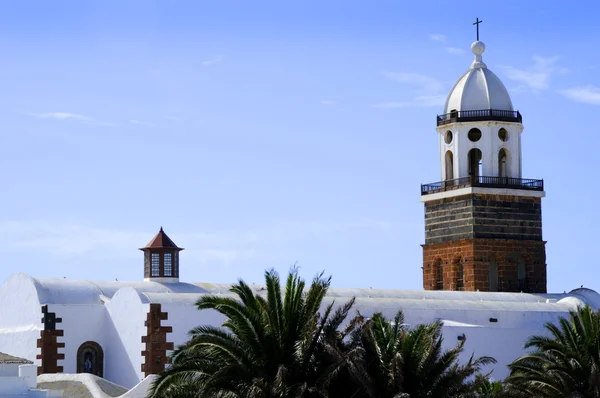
[
  {"x": 161, "y": 259},
  {"x": 483, "y": 221}
]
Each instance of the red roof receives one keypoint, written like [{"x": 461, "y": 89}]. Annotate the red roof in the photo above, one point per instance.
[{"x": 161, "y": 241}]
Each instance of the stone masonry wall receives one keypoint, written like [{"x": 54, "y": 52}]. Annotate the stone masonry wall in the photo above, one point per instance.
[
  {"x": 476, "y": 255},
  {"x": 474, "y": 216}
]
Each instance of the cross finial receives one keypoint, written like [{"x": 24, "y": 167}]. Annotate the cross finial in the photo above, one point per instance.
[{"x": 476, "y": 23}]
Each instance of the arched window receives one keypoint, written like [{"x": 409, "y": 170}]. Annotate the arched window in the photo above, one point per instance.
[
  {"x": 475, "y": 163},
  {"x": 90, "y": 359},
  {"x": 438, "y": 274},
  {"x": 460, "y": 274},
  {"x": 449, "y": 165},
  {"x": 502, "y": 163},
  {"x": 493, "y": 275}
]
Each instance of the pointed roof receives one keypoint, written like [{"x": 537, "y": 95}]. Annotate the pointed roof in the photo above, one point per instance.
[{"x": 161, "y": 241}]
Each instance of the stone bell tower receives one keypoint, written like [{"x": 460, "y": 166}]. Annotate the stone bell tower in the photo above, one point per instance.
[{"x": 483, "y": 220}]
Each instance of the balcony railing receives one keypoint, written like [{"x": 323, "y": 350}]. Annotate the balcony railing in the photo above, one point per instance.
[
  {"x": 483, "y": 181},
  {"x": 480, "y": 114}
]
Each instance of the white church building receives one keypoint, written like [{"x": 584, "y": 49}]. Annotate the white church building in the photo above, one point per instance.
[{"x": 484, "y": 265}]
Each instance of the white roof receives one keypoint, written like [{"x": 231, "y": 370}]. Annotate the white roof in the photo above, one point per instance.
[
  {"x": 478, "y": 88},
  {"x": 67, "y": 291}
]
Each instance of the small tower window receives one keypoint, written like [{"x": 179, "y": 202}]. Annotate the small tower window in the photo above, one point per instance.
[
  {"x": 146, "y": 265},
  {"x": 460, "y": 278},
  {"x": 521, "y": 275},
  {"x": 449, "y": 165},
  {"x": 438, "y": 275},
  {"x": 474, "y": 134},
  {"x": 503, "y": 135},
  {"x": 502, "y": 166},
  {"x": 448, "y": 137},
  {"x": 168, "y": 264},
  {"x": 475, "y": 163},
  {"x": 493, "y": 275},
  {"x": 155, "y": 264}
]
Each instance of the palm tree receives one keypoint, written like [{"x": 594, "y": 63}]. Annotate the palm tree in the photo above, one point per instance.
[
  {"x": 268, "y": 346},
  {"x": 566, "y": 363},
  {"x": 411, "y": 363}
]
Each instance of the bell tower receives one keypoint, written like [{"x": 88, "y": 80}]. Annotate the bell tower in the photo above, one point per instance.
[
  {"x": 483, "y": 220},
  {"x": 161, "y": 259}
]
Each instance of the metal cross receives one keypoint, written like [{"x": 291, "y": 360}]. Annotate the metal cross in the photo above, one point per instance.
[{"x": 476, "y": 23}]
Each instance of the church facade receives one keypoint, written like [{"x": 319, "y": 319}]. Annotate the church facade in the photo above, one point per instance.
[{"x": 484, "y": 266}]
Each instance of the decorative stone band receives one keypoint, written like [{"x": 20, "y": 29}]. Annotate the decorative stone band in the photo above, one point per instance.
[
  {"x": 155, "y": 354},
  {"x": 48, "y": 343}
]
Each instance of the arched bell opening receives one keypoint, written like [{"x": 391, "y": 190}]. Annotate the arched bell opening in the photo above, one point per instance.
[
  {"x": 449, "y": 165},
  {"x": 503, "y": 164},
  {"x": 475, "y": 163}
]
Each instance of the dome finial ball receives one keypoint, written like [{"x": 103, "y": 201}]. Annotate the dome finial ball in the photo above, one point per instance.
[{"x": 478, "y": 47}]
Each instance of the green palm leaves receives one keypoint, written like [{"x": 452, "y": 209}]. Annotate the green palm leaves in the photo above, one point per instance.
[
  {"x": 412, "y": 362},
  {"x": 565, "y": 363},
  {"x": 296, "y": 343},
  {"x": 269, "y": 346}
]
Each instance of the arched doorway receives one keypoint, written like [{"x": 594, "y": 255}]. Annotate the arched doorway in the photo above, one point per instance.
[
  {"x": 475, "y": 163},
  {"x": 90, "y": 359}
]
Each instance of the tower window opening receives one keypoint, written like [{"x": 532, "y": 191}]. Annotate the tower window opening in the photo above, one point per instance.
[
  {"x": 438, "y": 272},
  {"x": 460, "y": 274},
  {"x": 474, "y": 134},
  {"x": 449, "y": 165},
  {"x": 155, "y": 264},
  {"x": 493, "y": 275},
  {"x": 448, "y": 137},
  {"x": 146, "y": 265},
  {"x": 503, "y": 135},
  {"x": 502, "y": 164},
  {"x": 168, "y": 264},
  {"x": 475, "y": 163},
  {"x": 521, "y": 274}
]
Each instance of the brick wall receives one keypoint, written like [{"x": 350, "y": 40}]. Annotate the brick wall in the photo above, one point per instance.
[
  {"x": 476, "y": 256},
  {"x": 155, "y": 354},
  {"x": 48, "y": 343}
]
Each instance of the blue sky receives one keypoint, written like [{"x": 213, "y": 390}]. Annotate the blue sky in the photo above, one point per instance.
[{"x": 267, "y": 133}]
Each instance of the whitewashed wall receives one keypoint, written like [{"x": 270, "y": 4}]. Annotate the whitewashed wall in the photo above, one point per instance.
[
  {"x": 123, "y": 359},
  {"x": 489, "y": 144},
  {"x": 20, "y": 320}
]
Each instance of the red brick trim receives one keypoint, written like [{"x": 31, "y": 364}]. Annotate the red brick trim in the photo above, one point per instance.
[
  {"x": 476, "y": 256},
  {"x": 155, "y": 354},
  {"x": 48, "y": 343}
]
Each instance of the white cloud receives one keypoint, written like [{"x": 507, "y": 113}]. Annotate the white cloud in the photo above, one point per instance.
[
  {"x": 213, "y": 60},
  {"x": 587, "y": 94},
  {"x": 62, "y": 116},
  {"x": 140, "y": 123},
  {"x": 421, "y": 101},
  {"x": 536, "y": 77},
  {"x": 427, "y": 91},
  {"x": 71, "y": 116},
  {"x": 221, "y": 247},
  {"x": 422, "y": 83},
  {"x": 437, "y": 37},
  {"x": 454, "y": 50},
  {"x": 328, "y": 102}
]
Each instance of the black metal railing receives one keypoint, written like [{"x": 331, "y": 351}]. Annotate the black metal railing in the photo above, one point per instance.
[
  {"x": 483, "y": 181},
  {"x": 480, "y": 114}
]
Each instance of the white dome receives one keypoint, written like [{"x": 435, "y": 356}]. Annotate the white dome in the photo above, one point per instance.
[{"x": 478, "y": 88}]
